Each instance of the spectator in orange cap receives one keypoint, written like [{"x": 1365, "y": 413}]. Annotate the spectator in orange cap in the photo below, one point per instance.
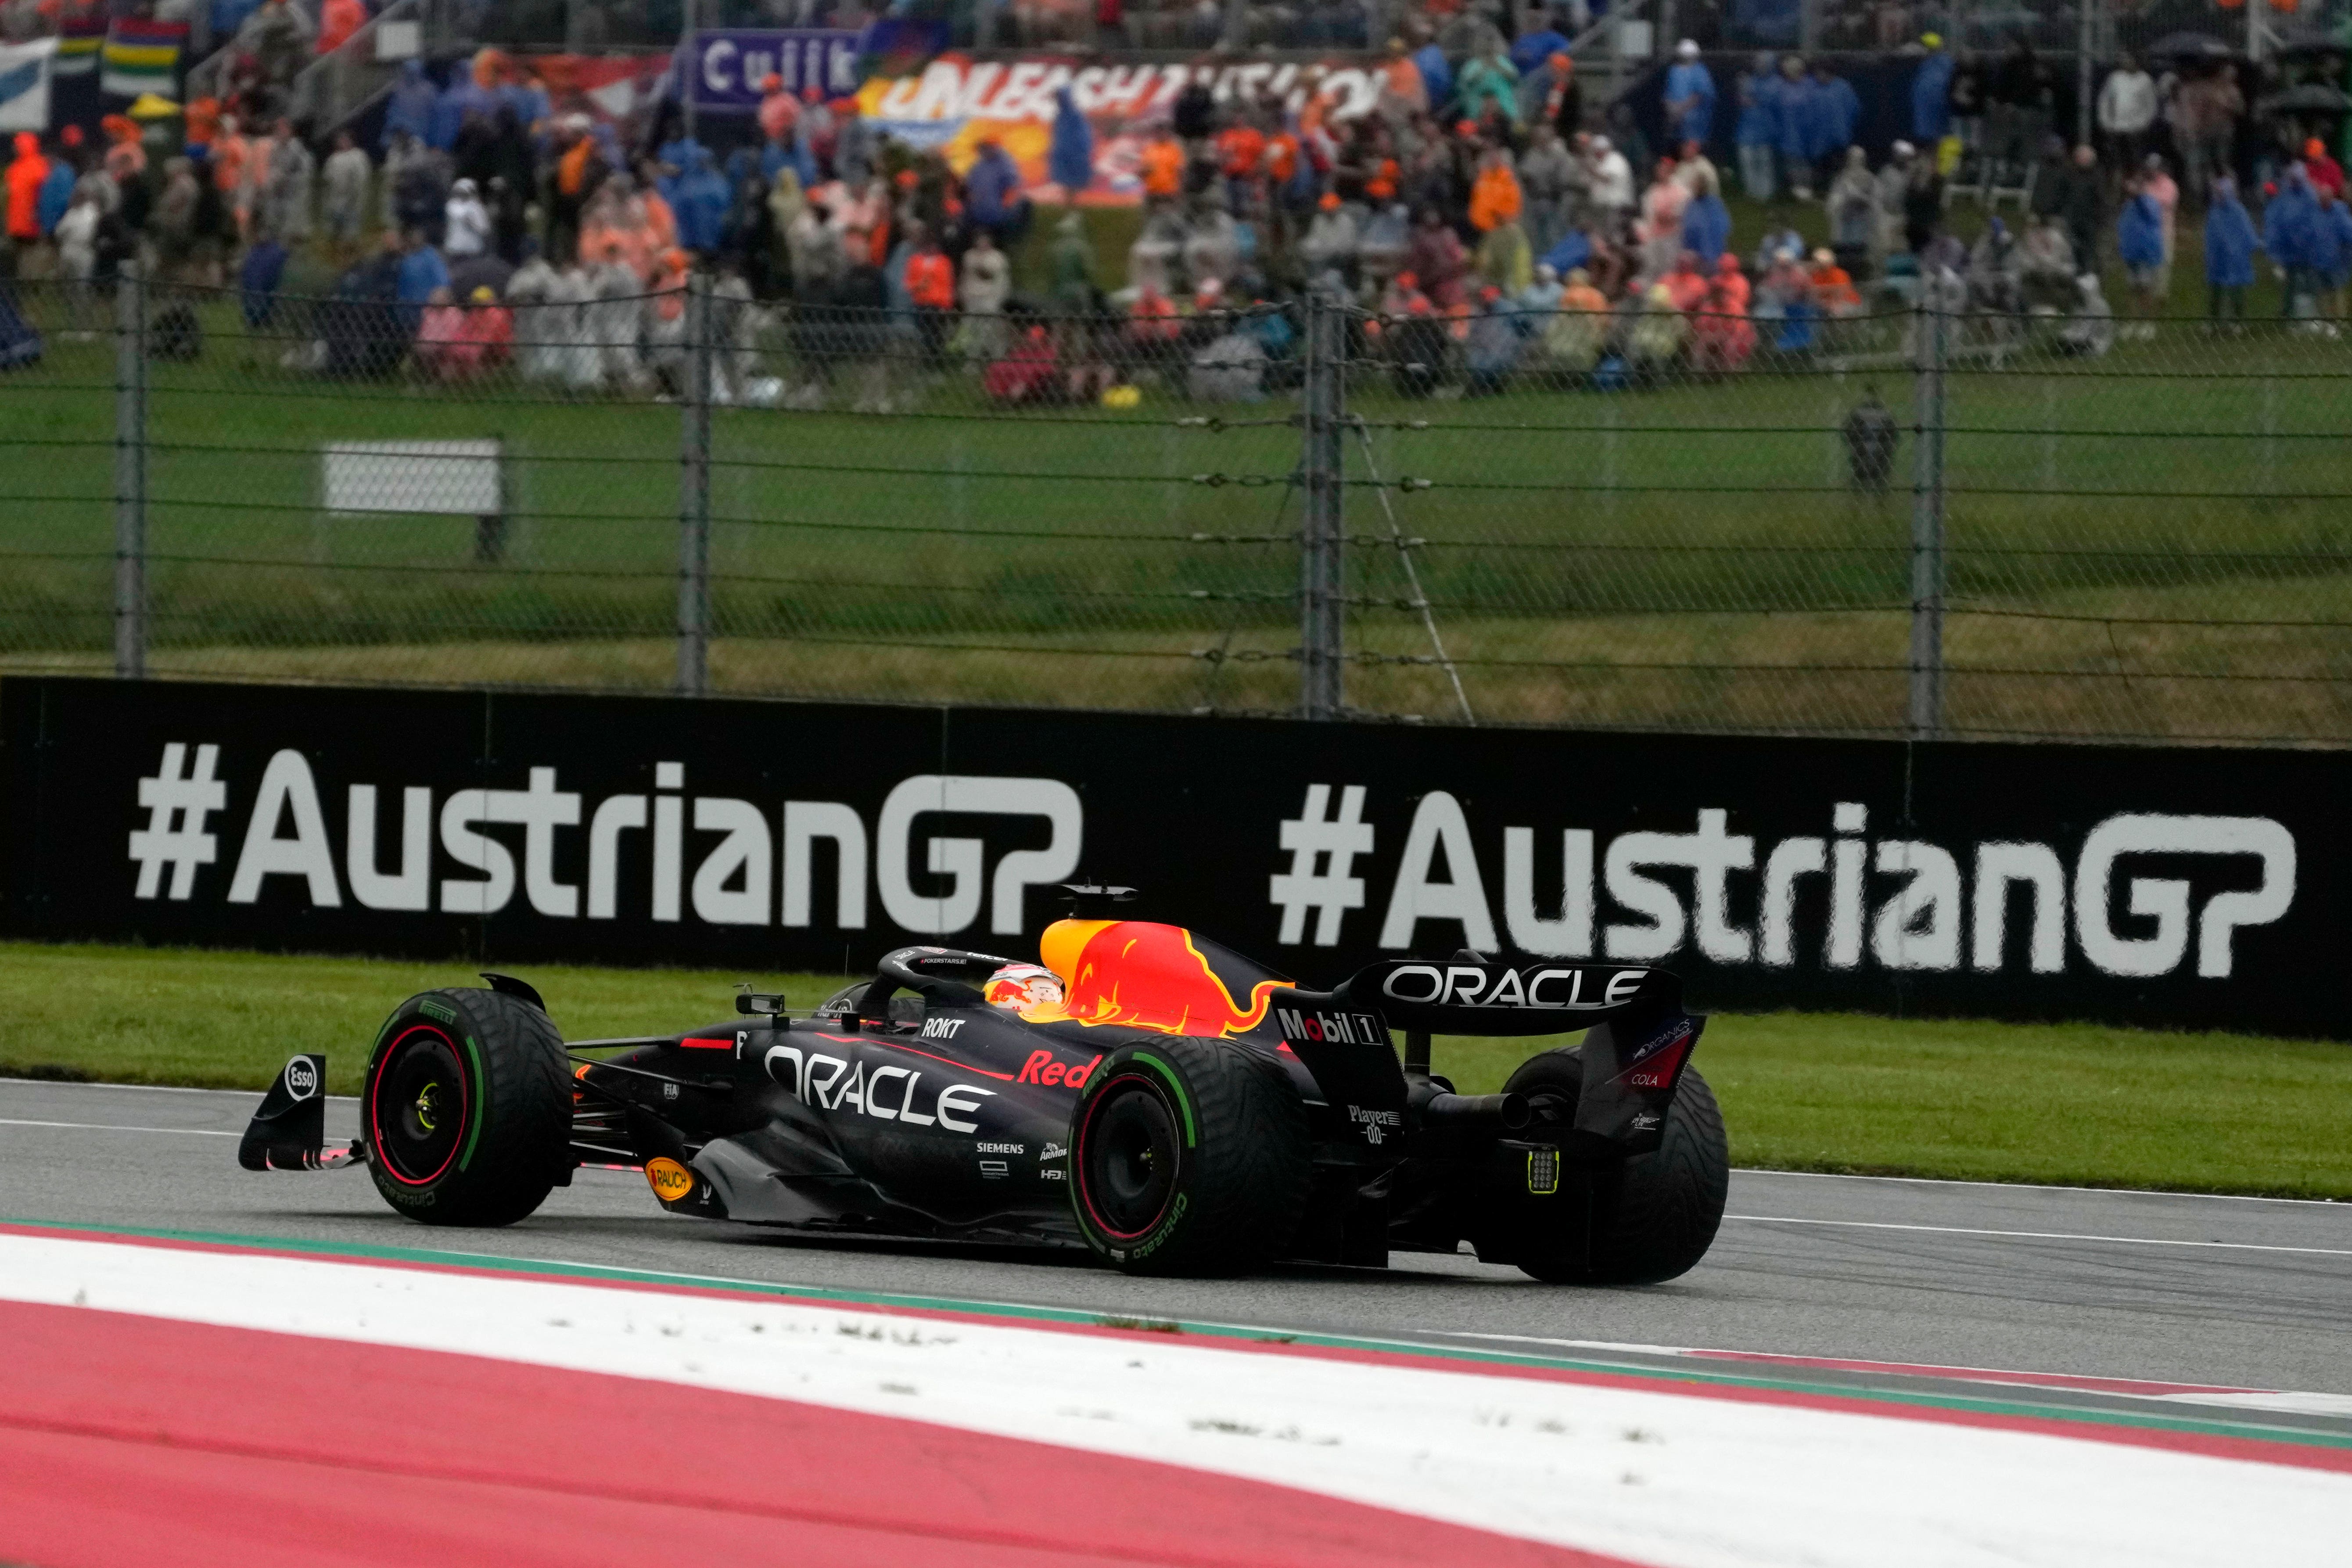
[
  {"x": 1331, "y": 241},
  {"x": 2326, "y": 175},
  {"x": 126, "y": 165}
]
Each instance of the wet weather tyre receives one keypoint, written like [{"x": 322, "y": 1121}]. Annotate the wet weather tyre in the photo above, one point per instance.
[
  {"x": 1188, "y": 1156},
  {"x": 467, "y": 1109},
  {"x": 1647, "y": 1219}
]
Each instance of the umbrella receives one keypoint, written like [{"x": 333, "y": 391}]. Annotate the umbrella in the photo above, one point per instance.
[
  {"x": 479, "y": 272},
  {"x": 2311, "y": 98},
  {"x": 2189, "y": 47},
  {"x": 152, "y": 106}
]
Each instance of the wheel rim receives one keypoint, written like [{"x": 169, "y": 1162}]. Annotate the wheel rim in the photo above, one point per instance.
[
  {"x": 419, "y": 1106},
  {"x": 1128, "y": 1152}
]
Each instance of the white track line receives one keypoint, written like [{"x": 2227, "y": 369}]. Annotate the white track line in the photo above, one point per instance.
[
  {"x": 110, "y": 1127},
  {"x": 145, "y": 1087},
  {"x": 2037, "y": 1187},
  {"x": 1744, "y": 1170},
  {"x": 1994, "y": 1379},
  {"x": 2040, "y": 1235}
]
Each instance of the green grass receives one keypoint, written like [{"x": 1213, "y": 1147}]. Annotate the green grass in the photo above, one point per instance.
[
  {"x": 1687, "y": 554},
  {"x": 2074, "y": 1104},
  {"x": 2069, "y": 1104}
]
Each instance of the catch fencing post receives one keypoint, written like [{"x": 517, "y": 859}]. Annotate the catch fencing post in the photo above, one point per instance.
[
  {"x": 2086, "y": 43},
  {"x": 694, "y": 496},
  {"x": 1322, "y": 561},
  {"x": 130, "y": 473},
  {"x": 1927, "y": 515}
]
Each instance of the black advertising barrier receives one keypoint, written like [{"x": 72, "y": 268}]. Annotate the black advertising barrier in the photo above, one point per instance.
[{"x": 2193, "y": 888}]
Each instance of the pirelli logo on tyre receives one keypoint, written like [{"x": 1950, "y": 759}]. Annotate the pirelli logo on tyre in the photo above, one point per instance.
[{"x": 1158, "y": 1238}]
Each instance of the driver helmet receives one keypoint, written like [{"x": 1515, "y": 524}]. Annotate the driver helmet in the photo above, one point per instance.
[{"x": 1019, "y": 985}]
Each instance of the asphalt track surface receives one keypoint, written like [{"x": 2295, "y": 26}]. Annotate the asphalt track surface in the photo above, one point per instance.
[{"x": 2219, "y": 1293}]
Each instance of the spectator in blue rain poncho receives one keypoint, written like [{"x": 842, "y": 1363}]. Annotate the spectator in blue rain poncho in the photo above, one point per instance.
[
  {"x": 1573, "y": 251},
  {"x": 470, "y": 95},
  {"x": 1070, "y": 162},
  {"x": 1689, "y": 96},
  {"x": 992, "y": 196},
  {"x": 422, "y": 271},
  {"x": 2139, "y": 240},
  {"x": 700, "y": 204},
  {"x": 1797, "y": 113},
  {"x": 258, "y": 278},
  {"x": 1538, "y": 43},
  {"x": 529, "y": 99},
  {"x": 1707, "y": 224},
  {"x": 676, "y": 157},
  {"x": 1833, "y": 112},
  {"x": 1931, "y": 94},
  {"x": 411, "y": 106},
  {"x": 1758, "y": 132},
  {"x": 2290, "y": 225},
  {"x": 55, "y": 193},
  {"x": 2229, "y": 246},
  {"x": 1437, "y": 74}
]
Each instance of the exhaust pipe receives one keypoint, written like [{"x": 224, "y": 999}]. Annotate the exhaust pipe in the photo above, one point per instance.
[{"x": 1470, "y": 1117}]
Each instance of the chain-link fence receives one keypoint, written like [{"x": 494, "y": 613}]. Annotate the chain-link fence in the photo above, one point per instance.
[{"x": 1879, "y": 520}]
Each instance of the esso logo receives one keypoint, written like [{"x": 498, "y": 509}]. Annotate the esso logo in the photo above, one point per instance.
[{"x": 301, "y": 1077}]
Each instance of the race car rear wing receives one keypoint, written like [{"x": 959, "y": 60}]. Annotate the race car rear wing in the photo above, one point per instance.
[
  {"x": 1467, "y": 996},
  {"x": 1639, "y": 1036}
]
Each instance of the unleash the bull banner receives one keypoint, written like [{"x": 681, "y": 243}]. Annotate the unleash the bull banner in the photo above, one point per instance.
[{"x": 2194, "y": 888}]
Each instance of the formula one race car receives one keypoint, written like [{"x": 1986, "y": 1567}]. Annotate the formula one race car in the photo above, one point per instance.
[{"x": 1143, "y": 1092}]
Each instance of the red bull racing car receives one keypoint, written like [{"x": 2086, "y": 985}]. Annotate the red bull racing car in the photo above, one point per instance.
[{"x": 1143, "y": 1092}]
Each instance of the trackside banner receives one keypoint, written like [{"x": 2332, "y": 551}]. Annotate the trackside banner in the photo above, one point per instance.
[{"x": 2196, "y": 888}]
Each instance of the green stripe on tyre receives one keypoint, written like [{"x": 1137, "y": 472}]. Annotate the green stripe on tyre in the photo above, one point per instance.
[
  {"x": 1183, "y": 1100},
  {"x": 481, "y": 1102}
]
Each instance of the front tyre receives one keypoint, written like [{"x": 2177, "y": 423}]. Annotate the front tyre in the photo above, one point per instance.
[
  {"x": 1188, "y": 1156},
  {"x": 1650, "y": 1217},
  {"x": 466, "y": 1107}
]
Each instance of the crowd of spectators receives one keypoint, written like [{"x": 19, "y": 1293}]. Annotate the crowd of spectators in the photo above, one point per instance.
[{"x": 1480, "y": 221}]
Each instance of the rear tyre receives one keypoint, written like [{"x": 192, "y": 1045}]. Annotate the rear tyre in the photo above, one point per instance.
[
  {"x": 467, "y": 1108},
  {"x": 1188, "y": 1156},
  {"x": 1649, "y": 1218}
]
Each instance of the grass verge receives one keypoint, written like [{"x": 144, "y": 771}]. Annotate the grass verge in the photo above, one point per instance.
[{"x": 2065, "y": 1103}]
